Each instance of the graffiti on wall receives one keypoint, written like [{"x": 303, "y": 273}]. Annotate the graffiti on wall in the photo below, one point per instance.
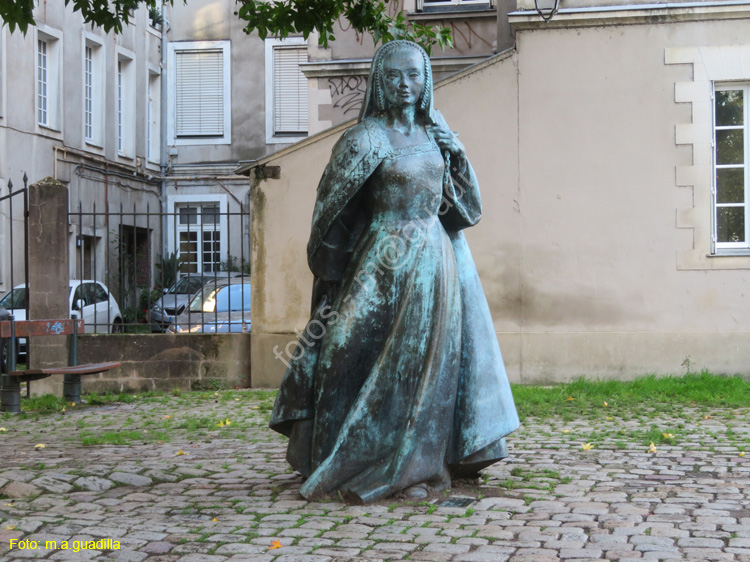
[{"x": 347, "y": 93}]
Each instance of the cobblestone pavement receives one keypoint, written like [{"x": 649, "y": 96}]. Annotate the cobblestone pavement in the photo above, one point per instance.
[{"x": 199, "y": 477}]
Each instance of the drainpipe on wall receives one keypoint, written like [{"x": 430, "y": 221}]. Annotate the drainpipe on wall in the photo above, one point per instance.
[{"x": 163, "y": 129}]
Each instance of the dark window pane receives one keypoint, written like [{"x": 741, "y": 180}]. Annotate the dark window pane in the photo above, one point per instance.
[
  {"x": 211, "y": 215},
  {"x": 729, "y": 107},
  {"x": 730, "y": 224},
  {"x": 188, "y": 215},
  {"x": 182, "y": 287},
  {"x": 730, "y": 147},
  {"x": 195, "y": 284},
  {"x": 16, "y": 299},
  {"x": 730, "y": 185},
  {"x": 78, "y": 296},
  {"x": 100, "y": 295}
]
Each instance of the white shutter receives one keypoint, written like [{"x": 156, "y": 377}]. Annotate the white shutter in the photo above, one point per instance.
[
  {"x": 290, "y": 90},
  {"x": 200, "y": 93}
]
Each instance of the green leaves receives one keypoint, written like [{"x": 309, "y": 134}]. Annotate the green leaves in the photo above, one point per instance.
[
  {"x": 17, "y": 13},
  {"x": 274, "y": 18},
  {"x": 279, "y": 19},
  {"x": 109, "y": 15}
]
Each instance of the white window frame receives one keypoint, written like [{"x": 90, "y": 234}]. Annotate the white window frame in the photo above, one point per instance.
[
  {"x": 172, "y": 51},
  {"x": 53, "y": 40},
  {"x": 3, "y": 73},
  {"x": 422, "y": 4},
  {"x": 731, "y": 247},
  {"x": 271, "y": 136},
  {"x": 125, "y": 102},
  {"x": 174, "y": 202},
  {"x": 153, "y": 114},
  {"x": 93, "y": 136}
]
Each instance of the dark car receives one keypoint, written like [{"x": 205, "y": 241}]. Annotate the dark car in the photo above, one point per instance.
[
  {"x": 174, "y": 300},
  {"x": 221, "y": 306}
]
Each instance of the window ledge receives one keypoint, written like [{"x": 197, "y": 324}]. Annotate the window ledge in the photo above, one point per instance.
[
  {"x": 451, "y": 11},
  {"x": 49, "y": 129},
  {"x": 279, "y": 139},
  {"x": 730, "y": 253}
]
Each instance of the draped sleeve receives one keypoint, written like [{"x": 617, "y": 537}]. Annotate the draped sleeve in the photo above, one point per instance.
[
  {"x": 337, "y": 219},
  {"x": 462, "y": 204}
]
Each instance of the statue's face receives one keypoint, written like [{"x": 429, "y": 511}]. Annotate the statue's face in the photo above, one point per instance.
[{"x": 403, "y": 77}]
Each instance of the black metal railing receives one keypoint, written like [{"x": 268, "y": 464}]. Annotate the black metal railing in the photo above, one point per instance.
[
  {"x": 14, "y": 300},
  {"x": 154, "y": 264}
]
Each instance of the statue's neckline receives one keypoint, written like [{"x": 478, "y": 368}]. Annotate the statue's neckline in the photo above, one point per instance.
[{"x": 429, "y": 142}]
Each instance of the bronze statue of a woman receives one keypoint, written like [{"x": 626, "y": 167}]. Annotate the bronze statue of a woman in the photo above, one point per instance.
[{"x": 398, "y": 383}]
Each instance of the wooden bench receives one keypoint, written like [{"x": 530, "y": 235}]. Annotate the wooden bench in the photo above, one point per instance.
[{"x": 10, "y": 385}]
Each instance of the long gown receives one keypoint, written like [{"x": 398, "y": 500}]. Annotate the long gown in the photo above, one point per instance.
[{"x": 406, "y": 384}]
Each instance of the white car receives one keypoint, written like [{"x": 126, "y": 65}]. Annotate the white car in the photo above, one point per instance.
[{"x": 90, "y": 300}]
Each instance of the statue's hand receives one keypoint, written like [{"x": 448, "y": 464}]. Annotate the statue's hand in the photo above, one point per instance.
[
  {"x": 447, "y": 140},
  {"x": 327, "y": 288}
]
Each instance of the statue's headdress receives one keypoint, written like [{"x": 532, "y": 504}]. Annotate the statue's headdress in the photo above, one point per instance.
[{"x": 375, "y": 101}]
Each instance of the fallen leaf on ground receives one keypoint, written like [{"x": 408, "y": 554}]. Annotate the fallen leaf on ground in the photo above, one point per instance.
[
  {"x": 274, "y": 545},
  {"x": 214, "y": 519},
  {"x": 570, "y": 398},
  {"x": 668, "y": 436},
  {"x": 227, "y": 422},
  {"x": 180, "y": 452},
  {"x": 40, "y": 446},
  {"x": 586, "y": 446},
  {"x": 707, "y": 417},
  {"x": 220, "y": 424},
  {"x": 742, "y": 453},
  {"x": 652, "y": 448},
  {"x": 165, "y": 417},
  {"x": 605, "y": 404},
  {"x": 565, "y": 430},
  {"x": 3, "y": 430},
  {"x": 10, "y": 527},
  {"x": 610, "y": 418}
]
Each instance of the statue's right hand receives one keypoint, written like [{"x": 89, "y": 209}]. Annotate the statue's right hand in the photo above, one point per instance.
[{"x": 323, "y": 288}]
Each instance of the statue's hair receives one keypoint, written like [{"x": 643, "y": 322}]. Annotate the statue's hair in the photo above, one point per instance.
[{"x": 375, "y": 101}]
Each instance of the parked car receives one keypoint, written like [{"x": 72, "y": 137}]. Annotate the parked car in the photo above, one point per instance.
[
  {"x": 90, "y": 300},
  {"x": 174, "y": 300},
  {"x": 221, "y": 306}
]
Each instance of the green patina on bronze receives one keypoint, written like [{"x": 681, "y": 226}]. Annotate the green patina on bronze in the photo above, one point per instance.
[{"x": 397, "y": 382}]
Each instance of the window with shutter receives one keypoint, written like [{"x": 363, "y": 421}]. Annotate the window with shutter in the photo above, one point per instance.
[
  {"x": 290, "y": 91},
  {"x": 200, "y": 90},
  {"x": 200, "y": 93},
  {"x": 286, "y": 90}
]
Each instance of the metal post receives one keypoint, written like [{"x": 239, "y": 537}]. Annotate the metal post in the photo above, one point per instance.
[
  {"x": 72, "y": 383},
  {"x": 10, "y": 391}
]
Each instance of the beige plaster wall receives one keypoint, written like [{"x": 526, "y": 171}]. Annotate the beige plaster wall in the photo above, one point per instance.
[{"x": 573, "y": 138}]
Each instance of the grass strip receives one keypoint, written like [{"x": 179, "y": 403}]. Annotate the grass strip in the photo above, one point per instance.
[{"x": 584, "y": 398}]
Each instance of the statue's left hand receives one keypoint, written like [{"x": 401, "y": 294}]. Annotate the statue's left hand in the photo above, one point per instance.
[{"x": 447, "y": 140}]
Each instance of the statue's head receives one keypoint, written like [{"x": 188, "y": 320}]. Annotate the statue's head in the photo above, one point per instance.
[{"x": 398, "y": 57}]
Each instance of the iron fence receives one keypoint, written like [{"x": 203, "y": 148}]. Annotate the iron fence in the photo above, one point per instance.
[
  {"x": 138, "y": 269},
  {"x": 185, "y": 270}
]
